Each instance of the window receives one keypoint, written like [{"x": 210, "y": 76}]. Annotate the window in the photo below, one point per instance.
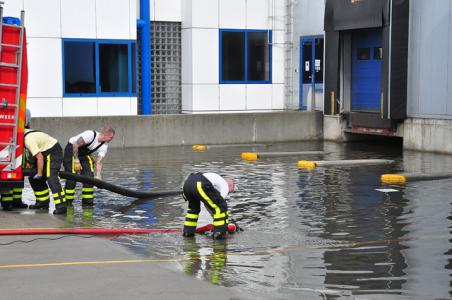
[
  {"x": 363, "y": 53},
  {"x": 312, "y": 60},
  {"x": 99, "y": 68},
  {"x": 245, "y": 56}
]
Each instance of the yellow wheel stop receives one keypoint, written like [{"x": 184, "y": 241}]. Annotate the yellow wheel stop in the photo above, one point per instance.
[
  {"x": 199, "y": 147},
  {"x": 393, "y": 178},
  {"x": 250, "y": 155},
  {"x": 306, "y": 164}
]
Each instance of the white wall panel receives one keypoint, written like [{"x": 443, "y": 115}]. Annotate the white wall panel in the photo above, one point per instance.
[
  {"x": 73, "y": 107},
  {"x": 278, "y": 11},
  {"x": 206, "y": 97},
  {"x": 12, "y": 8},
  {"x": 278, "y": 63},
  {"x": 43, "y": 18},
  {"x": 134, "y": 106},
  {"x": 232, "y": 97},
  {"x": 278, "y": 96},
  {"x": 232, "y": 14},
  {"x": 114, "y": 106},
  {"x": 112, "y": 18},
  {"x": 44, "y": 67},
  {"x": 133, "y": 17},
  {"x": 258, "y": 14},
  {"x": 45, "y": 107},
  {"x": 152, "y": 9},
  {"x": 187, "y": 56},
  {"x": 308, "y": 17},
  {"x": 168, "y": 10},
  {"x": 205, "y": 49},
  {"x": 187, "y": 14},
  {"x": 258, "y": 96},
  {"x": 204, "y": 13},
  {"x": 187, "y": 97},
  {"x": 78, "y": 19}
]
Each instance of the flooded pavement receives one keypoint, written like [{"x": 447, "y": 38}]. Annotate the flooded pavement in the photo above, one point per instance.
[{"x": 323, "y": 233}]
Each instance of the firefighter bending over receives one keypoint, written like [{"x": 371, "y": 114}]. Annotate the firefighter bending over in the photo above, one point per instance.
[
  {"x": 48, "y": 155},
  {"x": 212, "y": 190},
  {"x": 78, "y": 159}
]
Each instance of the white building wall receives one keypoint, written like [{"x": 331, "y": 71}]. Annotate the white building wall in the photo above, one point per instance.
[
  {"x": 47, "y": 23},
  {"x": 201, "y": 21}
]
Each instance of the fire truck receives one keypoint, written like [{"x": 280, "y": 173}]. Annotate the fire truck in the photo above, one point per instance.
[{"x": 13, "y": 97}]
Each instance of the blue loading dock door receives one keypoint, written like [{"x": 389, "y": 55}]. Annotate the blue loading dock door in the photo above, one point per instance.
[{"x": 366, "y": 70}]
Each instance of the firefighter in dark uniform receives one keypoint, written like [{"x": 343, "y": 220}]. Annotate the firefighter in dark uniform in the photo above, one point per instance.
[
  {"x": 212, "y": 190},
  {"x": 48, "y": 155},
  {"x": 78, "y": 158}
]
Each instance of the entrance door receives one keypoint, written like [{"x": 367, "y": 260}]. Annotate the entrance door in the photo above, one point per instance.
[
  {"x": 311, "y": 73},
  {"x": 366, "y": 70}
]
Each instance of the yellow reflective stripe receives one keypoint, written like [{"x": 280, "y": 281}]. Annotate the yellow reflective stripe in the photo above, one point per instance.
[
  {"x": 70, "y": 197},
  {"x": 84, "y": 196},
  {"x": 218, "y": 216},
  {"x": 191, "y": 216},
  {"x": 17, "y": 190},
  {"x": 57, "y": 201},
  {"x": 87, "y": 189},
  {"x": 218, "y": 223},
  {"x": 6, "y": 199},
  {"x": 17, "y": 196},
  {"x": 44, "y": 198},
  {"x": 44, "y": 192},
  {"x": 58, "y": 194},
  {"x": 69, "y": 192},
  {"x": 48, "y": 166},
  {"x": 72, "y": 165},
  {"x": 91, "y": 165},
  {"x": 205, "y": 197},
  {"x": 191, "y": 224}
]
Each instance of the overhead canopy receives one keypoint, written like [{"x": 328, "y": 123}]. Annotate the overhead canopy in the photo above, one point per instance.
[{"x": 353, "y": 14}]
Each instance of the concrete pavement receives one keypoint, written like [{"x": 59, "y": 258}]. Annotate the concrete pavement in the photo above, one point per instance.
[{"x": 73, "y": 267}]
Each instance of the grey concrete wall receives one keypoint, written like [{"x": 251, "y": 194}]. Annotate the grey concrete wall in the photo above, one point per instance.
[
  {"x": 431, "y": 135},
  {"x": 172, "y": 130}
]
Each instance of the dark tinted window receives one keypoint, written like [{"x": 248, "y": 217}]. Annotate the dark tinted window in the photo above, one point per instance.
[
  {"x": 363, "y": 53},
  {"x": 307, "y": 63},
  {"x": 79, "y": 67},
  {"x": 233, "y": 56},
  {"x": 113, "y": 67},
  {"x": 258, "y": 56},
  {"x": 318, "y": 62}
]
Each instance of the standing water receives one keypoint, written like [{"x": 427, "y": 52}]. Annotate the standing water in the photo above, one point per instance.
[{"x": 331, "y": 232}]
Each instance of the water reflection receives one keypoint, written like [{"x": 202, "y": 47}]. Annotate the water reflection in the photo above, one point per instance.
[{"x": 321, "y": 233}]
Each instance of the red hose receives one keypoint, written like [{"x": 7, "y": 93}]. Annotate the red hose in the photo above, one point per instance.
[{"x": 96, "y": 230}]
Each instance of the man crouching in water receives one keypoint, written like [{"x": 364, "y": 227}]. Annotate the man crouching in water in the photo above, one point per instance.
[{"x": 212, "y": 190}]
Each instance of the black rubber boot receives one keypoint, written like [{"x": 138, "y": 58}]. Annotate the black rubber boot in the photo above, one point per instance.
[
  {"x": 60, "y": 209},
  {"x": 19, "y": 204},
  {"x": 7, "y": 206},
  {"x": 40, "y": 205},
  {"x": 188, "y": 234},
  {"x": 219, "y": 235},
  {"x": 87, "y": 202}
]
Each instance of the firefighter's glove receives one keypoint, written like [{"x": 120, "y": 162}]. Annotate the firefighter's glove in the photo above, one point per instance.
[
  {"x": 37, "y": 177},
  {"x": 237, "y": 227},
  {"x": 77, "y": 165}
]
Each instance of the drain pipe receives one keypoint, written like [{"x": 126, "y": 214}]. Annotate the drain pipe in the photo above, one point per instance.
[{"x": 144, "y": 25}]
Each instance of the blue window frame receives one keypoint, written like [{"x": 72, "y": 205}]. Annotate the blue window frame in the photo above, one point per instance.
[
  {"x": 99, "y": 68},
  {"x": 245, "y": 56}
]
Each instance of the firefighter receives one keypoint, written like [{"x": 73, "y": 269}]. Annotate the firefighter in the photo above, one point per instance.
[
  {"x": 212, "y": 190},
  {"x": 78, "y": 158},
  {"x": 48, "y": 155}
]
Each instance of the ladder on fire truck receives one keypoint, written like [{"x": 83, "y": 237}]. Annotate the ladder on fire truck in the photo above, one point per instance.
[{"x": 8, "y": 159}]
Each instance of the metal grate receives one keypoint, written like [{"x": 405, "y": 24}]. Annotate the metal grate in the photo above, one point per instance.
[{"x": 165, "y": 68}]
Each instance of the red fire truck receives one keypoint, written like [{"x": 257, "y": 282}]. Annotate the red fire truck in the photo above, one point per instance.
[{"x": 13, "y": 97}]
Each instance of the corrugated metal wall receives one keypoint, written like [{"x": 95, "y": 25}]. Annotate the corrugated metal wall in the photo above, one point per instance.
[{"x": 430, "y": 59}]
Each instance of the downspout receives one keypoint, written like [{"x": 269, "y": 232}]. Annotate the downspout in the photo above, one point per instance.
[{"x": 144, "y": 26}]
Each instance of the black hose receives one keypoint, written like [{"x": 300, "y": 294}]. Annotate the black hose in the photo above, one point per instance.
[{"x": 108, "y": 186}]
